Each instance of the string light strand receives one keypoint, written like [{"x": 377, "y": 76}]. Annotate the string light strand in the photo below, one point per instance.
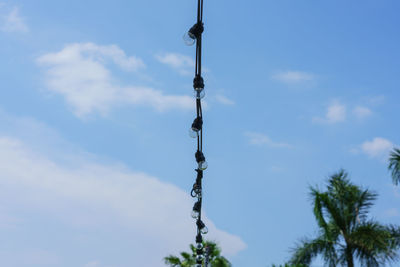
[{"x": 194, "y": 35}]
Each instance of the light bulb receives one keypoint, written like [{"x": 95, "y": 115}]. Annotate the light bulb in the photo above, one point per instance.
[
  {"x": 189, "y": 38},
  {"x": 193, "y": 133},
  {"x": 195, "y": 214},
  {"x": 196, "y": 127},
  {"x": 196, "y": 210},
  {"x": 204, "y": 230},
  {"x": 199, "y": 258},
  {"x": 199, "y": 245},
  {"x": 203, "y": 165},
  {"x": 197, "y": 194},
  {"x": 198, "y": 265},
  {"x": 202, "y": 227},
  {"x": 199, "y": 94}
]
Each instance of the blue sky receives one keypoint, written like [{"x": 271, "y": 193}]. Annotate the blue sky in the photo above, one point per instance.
[{"x": 96, "y": 101}]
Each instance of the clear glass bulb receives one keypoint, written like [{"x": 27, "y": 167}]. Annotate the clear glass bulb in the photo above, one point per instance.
[
  {"x": 199, "y": 257},
  {"x": 199, "y": 245},
  {"x": 197, "y": 193},
  {"x": 193, "y": 133},
  {"x": 189, "y": 39},
  {"x": 204, "y": 231},
  {"x": 195, "y": 214},
  {"x": 203, "y": 165},
  {"x": 199, "y": 94}
]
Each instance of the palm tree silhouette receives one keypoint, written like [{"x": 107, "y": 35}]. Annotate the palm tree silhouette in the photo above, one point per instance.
[
  {"x": 394, "y": 165},
  {"x": 345, "y": 231}
]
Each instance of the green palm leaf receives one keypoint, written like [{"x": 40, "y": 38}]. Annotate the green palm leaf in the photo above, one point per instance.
[{"x": 394, "y": 165}]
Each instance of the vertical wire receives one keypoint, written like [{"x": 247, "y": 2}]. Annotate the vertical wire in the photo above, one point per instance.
[
  {"x": 199, "y": 111},
  {"x": 199, "y": 15},
  {"x": 201, "y": 12},
  {"x": 197, "y": 49}
]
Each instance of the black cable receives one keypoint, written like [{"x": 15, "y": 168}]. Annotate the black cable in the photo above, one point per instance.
[
  {"x": 199, "y": 17},
  {"x": 201, "y": 12},
  {"x": 198, "y": 84}
]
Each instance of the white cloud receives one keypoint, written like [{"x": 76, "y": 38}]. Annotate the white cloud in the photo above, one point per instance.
[
  {"x": 79, "y": 73},
  {"x": 224, "y": 100},
  {"x": 293, "y": 77},
  {"x": 377, "y": 148},
  {"x": 262, "y": 139},
  {"x": 87, "y": 195},
  {"x": 335, "y": 113},
  {"x": 13, "y": 22},
  {"x": 181, "y": 63},
  {"x": 362, "y": 112}
]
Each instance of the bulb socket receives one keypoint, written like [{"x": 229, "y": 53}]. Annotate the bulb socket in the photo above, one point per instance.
[
  {"x": 198, "y": 83},
  {"x": 200, "y": 224},
  {"x": 197, "y": 124},
  {"x": 199, "y": 238},
  {"x": 197, "y": 29},
  {"x": 200, "y": 156},
  {"x": 197, "y": 206}
]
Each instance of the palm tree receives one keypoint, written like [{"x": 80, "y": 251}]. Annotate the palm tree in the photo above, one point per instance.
[
  {"x": 189, "y": 259},
  {"x": 345, "y": 232},
  {"x": 394, "y": 165}
]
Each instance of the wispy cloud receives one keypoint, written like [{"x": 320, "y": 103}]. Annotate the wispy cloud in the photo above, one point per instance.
[
  {"x": 293, "y": 77},
  {"x": 377, "y": 148},
  {"x": 13, "y": 22},
  {"x": 224, "y": 100},
  {"x": 79, "y": 73},
  {"x": 335, "y": 113},
  {"x": 362, "y": 112},
  {"x": 376, "y": 100},
  {"x": 260, "y": 139},
  {"x": 181, "y": 63}
]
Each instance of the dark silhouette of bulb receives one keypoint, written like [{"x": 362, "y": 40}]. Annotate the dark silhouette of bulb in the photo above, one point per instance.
[{"x": 196, "y": 127}]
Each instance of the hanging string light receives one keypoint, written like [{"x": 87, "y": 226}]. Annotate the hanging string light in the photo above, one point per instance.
[{"x": 194, "y": 35}]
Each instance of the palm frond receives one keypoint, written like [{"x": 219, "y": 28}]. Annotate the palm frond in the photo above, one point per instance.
[
  {"x": 306, "y": 250},
  {"x": 221, "y": 262},
  {"x": 394, "y": 165},
  {"x": 365, "y": 200},
  {"x": 172, "y": 261},
  {"x": 318, "y": 209},
  {"x": 373, "y": 243},
  {"x": 334, "y": 211}
]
